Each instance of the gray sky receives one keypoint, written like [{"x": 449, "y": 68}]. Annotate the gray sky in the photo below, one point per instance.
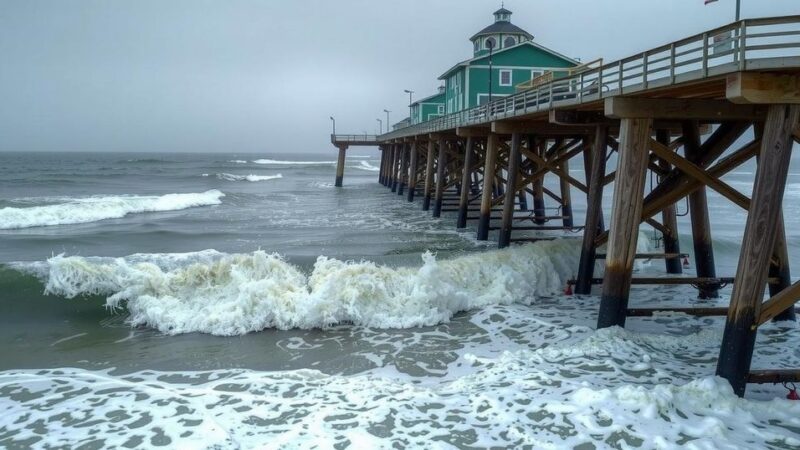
[{"x": 261, "y": 76}]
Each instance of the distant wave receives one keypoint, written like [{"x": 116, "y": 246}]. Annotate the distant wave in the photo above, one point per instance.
[
  {"x": 148, "y": 160},
  {"x": 237, "y": 161},
  {"x": 234, "y": 294},
  {"x": 276, "y": 162},
  {"x": 92, "y": 209},
  {"x": 367, "y": 166}
]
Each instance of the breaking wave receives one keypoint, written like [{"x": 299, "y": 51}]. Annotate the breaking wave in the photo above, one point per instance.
[
  {"x": 275, "y": 162},
  {"x": 367, "y": 166},
  {"x": 92, "y": 209},
  {"x": 251, "y": 177},
  {"x": 241, "y": 293}
]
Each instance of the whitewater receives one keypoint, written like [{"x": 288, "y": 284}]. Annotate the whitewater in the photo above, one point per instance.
[
  {"x": 322, "y": 317},
  {"x": 91, "y": 209}
]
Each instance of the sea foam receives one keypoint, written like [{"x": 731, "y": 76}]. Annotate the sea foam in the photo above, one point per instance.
[
  {"x": 276, "y": 162},
  {"x": 92, "y": 209},
  {"x": 251, "y": 177},
  {"x": 241, "y": 293}
]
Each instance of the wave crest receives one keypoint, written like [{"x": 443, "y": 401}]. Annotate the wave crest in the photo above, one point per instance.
[
  {"x": 242, "y": 293},
  {"x": 93, "y": 209}
]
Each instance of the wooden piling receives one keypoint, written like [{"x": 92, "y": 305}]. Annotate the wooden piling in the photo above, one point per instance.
[
  {"x": 504, "y": 239},
  {"x": 779, "y": 269},
  {"x": 396, "y": 167},
  {"x": 538, "y": 185},
  {"x": 488, "y": 181},
  {"x": 466, "y": 182},
  {"x": 412, "y": 173},
  {"x": 340, "y": 166},
  {"x": 669, "y": 218},
  {"x": 594, "y": 210},
  {"x": 566, "y": 196},
  {"x": 758, "y": 243},
  {"x": 426, "y": 201},
  {"x": 382, "y": 165},
  {"x": 634, "y": 137},
  {"x": 441, "y": 167},
  {"x": 698, "y": 210},
  {"x": 403, "y": 169}
]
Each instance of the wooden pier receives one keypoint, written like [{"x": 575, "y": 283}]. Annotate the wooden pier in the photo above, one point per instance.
[{"x": 675, "y": 113}]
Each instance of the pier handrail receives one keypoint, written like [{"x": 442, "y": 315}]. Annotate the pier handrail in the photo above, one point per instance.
[
  {"x": 344, "y": 138},
  {"x": 749, "y": 44}
]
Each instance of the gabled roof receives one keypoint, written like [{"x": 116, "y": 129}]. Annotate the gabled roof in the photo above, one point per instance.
[
  {"x": 501, "y": 27},
  {"x": 502, "y": 11},
  {"x": 423, "y": 100},
  {"x": 467, "y": 62}
]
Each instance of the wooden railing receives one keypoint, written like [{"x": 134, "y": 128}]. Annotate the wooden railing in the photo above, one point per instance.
[
  {"x": 751, "y": 44},
  {"x": 345, "y": 138}
]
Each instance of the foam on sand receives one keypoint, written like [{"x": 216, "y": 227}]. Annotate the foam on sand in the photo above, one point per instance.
[
  {"x": 241, "y": 293},
  {"x": 92, "y": 209}
]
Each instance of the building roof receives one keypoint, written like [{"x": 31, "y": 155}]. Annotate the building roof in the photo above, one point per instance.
[
  {"x": 531, "y": 43},
  {"x": 423, "y": 100},
  {"x": 501, "y": 27},
  {"x": 502, "y": 11}
]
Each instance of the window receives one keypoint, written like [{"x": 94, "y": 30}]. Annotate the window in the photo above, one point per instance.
[
  {"x": 477, "y": 45},
  {"x": 510, "y": 41},
  {"x": 536, "y": 73},
  {"x": 490, "y": 42},
  {"x": 505, "y": 78},
  {"x": 441, "y": 109},
  {"x": 483, "y": 99}
]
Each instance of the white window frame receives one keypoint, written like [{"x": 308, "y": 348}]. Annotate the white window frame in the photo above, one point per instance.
[
  {"x": 440, "y": 109},
  {"x": 510, "y": 77},
  {"x": 536, "y": 73}
]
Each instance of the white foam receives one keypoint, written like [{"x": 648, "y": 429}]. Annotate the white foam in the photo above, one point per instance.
[
  {"x": 364, "y": 165},
  {"x": 241, "y": 293},
  {"x": 92, "y": 209},
  {"x": 275, "y": 162},
  {"x": 238, "y": 161},
  {"x": 251, "y": 177}
]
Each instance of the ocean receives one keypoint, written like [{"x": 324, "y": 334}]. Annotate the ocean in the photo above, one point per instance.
[{"x": 242, "y": 301}]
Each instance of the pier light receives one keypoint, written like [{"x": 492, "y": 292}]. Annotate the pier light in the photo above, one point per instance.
[
  {"x": 410, "y": 101},
  {"x": 380, "y": 126},
  {"x": 387, "y": 118},
  {"x": 334, "y": 125}
]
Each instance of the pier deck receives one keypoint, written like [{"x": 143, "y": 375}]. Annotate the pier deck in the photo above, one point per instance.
[{"x": 675, "y": 112}]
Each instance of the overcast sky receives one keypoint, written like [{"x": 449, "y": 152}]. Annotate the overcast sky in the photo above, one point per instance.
[{"x": 261, "y": 76}]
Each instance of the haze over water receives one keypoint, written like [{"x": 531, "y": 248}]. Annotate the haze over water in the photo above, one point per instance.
[{"x": 181, "y": 300}]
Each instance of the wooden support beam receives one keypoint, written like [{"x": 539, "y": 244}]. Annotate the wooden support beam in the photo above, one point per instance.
[
  {"x": 773, "y": 376},
  {"x": 594, "y": 211},
  {"x": 474, "y": 132},
  {"x": 395, "y": 166},
  {"x": 700, "y": 175},
  {"x": 669, "y": 217},
  {"x": 404, "y": 157},
  {"x": 759, "y": 240},
  {"x": 508, "y": 206},
  {"x": 581, "y": 118},
  {"x": 441, "y": 167},
  {"x": 466, "y": 182},
  {"x": 426, "y": 200},
  {"x": 681, "y": 109},
  {"x": 340, "y": 166},
  {"x": 413, "y": 175},
  {"x": 508, "y": 127},
  {"x": 625, "y": 218},
  {"x": 763, "y": 88},
  {"x": 778, "y": 303},
  {"x": 488, "y": 187}
]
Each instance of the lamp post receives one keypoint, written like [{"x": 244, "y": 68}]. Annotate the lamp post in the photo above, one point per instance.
[
  {"x": 334, "y": 125},
  {"x": 738, "y": 9},
  {"x": 387, "y": 118},
  {"x": 410, "y": 100},
  {"x": 380, "y": 126}
]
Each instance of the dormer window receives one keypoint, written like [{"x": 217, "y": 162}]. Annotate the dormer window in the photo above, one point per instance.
[
  {"x": 477, "y": 45},
  {"x": 510, "y": 41},
  {"x": 489, "y": 43}
]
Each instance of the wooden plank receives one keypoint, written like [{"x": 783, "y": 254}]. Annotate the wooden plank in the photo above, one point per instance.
[
  {"x": 682, "y": 109},
  {"x": 426, "y": 200},
  {"x": 466, "y": 182},
  {"x": 412, "y": 181},
  {"x": 504, "y": 238},
  {"x": 773, "y": 376},
  {"x": 702, "y": 312},
  {"x": 594, "y": 211},
  {"x": 581, "y": 118},
  {"x": 538, "y": 128},
  {"x": 763, "y": 88},
  {"x": 475, "y": 132}
]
